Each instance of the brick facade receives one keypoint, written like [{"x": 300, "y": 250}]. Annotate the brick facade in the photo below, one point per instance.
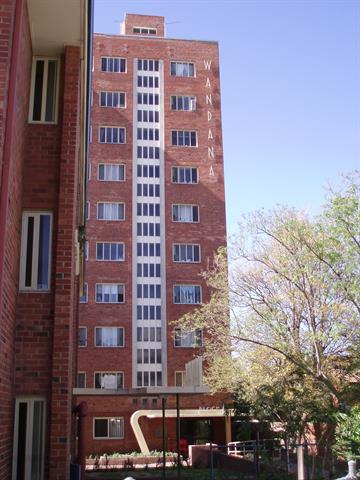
[
  {"x": 39, "y": 171},
  {"x": 208, "y": 194}
]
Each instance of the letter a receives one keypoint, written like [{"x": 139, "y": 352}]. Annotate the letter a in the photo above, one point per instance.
[
  {"x": 210, "y": 135},
  {"x": 211, "y": 172},
  {"x": 208, "y": 84}
]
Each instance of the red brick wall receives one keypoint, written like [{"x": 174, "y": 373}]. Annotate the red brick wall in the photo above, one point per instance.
[
  {"x": 17, "y": 135},
  {"x": 65, "y": 320},
  {"x": 148, "y": 21},
  {"x": 47, "y": 321},
  {"x": 123, "y": 406}
]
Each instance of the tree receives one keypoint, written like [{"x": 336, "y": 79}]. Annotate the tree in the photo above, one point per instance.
[{"x": 293, "y": 293}]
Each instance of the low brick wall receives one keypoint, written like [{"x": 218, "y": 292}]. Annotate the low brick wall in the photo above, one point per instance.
[{"x": 200, "y": 458}]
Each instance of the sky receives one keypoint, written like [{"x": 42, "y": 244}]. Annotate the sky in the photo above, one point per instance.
[{"x": 290, "y": 91}]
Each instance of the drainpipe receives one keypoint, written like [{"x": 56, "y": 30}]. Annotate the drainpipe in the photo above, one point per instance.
[
  {"x": 81, "y": 411},
  {"x": 8, "y": 136}
]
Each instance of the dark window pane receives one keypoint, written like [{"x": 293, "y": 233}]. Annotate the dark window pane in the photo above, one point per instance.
[
  {"x": 44, "y": 246},
  {"x": 29, "y": 251},
  {"x": 51, "y": 91},
  {"x": 101, "y": 428},
  {"x": 38, "y": 89}
]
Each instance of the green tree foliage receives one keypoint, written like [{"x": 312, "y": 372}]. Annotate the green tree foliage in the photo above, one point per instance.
[
  {"x": 348, "y": 434},
  {"x": 292, "y": 293}
]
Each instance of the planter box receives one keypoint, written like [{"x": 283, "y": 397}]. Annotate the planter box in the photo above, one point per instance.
[{"x": 103, "y": 463}]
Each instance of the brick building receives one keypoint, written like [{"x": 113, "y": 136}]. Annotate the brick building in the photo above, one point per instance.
[
  {"x": 156, "y": 215},
  {"x": 43, "y": 141}
]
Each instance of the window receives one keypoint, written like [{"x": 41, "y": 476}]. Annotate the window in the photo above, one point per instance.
[
  {"x": 179, "y": 378},
  {"x": 184, "y": 175},
  {"x": 183, "y": 103},
  {"x": 183, "y": 138},
  {"x": 182, "y": 69},
  {"x": 185, "y": 213},
  {"x": 146, "y": 379},
  {"x": 87, "y": 211},
  {"x": 190, "y": 294},
  {"x": 110, "y": 293},
  {"x": 29, "y": 438},
  {"x": 109, "y": 427},
  {"x": 82, "y": 339},
  {"x": 148, "y": 65},
  {"x": 109, "y": 337},
  {"x": 111, "y": 172},
  {"x": 81, "y": 380},
  {"x": 35, "y": 260},
  {"x": 113, "y": 64},
  {"x": 44, "y": 90},
  {"x": 188, "y": 339},
  {"x": 86, "y": 250},
  {"x": 110, "y": 211},
  {"x": 186, "y": 253},
  {"x": 111, "y": 252},
  {"x": 144, "y": 31},
  {"x": 114, "y": 135},
  {"x": 112, "y": 99},
  {"x": 109, "y": 380},
  {"x": 84, "y": 297}
]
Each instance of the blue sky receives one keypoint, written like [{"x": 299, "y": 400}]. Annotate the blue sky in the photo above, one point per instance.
[{"x": 290, "y": 84}]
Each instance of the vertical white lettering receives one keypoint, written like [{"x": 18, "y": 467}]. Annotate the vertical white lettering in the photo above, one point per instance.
[
  {"x": 207, "y": 64},
  {"x": 209, "y": 116},
  {"x": 208, "y": 99},
  {"x": 211, "y": 171},
  {"x": 211, "y": 152},
  {"x": 208, "y": 84},
  {"x": 210, "y": 135}
]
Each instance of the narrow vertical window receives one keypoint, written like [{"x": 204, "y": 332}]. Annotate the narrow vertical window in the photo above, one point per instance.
[
  {"x": 35, "y": 251},
  {"x": 44, "y": 90}
]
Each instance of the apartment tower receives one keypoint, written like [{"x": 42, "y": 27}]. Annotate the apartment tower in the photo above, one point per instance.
[{"x": 156, "y": 215}]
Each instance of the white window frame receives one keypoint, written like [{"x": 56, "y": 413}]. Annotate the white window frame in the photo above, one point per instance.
[
  {"x": 112, "y": 99},
  {"x": 186, "y": 245},
  {"x": 192, "y": 103},
  {"x": 112, "y": 128},
  {"x": 108, "y": 429},
  {"x": 110, "y": 260},
  {"x": 192, "y": 213},
  {"x": 182, "y": 374},
  {"x": 109, "y": 219},
  {"x": 86, "y": 337},
  {"x": 111, "y": 285},
  {"x": 179, "y": 167},
  {"x": 102, "y": 373},
  {"x": 187, "y": 303},
  {"x": 177, "y": 138},
  {"x": 77, "y": 377},
  {"x": 145, "y": 32},
  {"x": 87, "y": 210},
  {"x": 30, "y": 401},
  {"x": 35, "y": 251},
  {"x": 188, "y": 335},
  {"x": 109, "y": 346},
  {"x": 44, "y": 91},
  {"x": 112, "y": 71},
  {"x": 105, "y": 165},
  {"x": 179, "y": 62},
  {"x": 86, "y": 294}
]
